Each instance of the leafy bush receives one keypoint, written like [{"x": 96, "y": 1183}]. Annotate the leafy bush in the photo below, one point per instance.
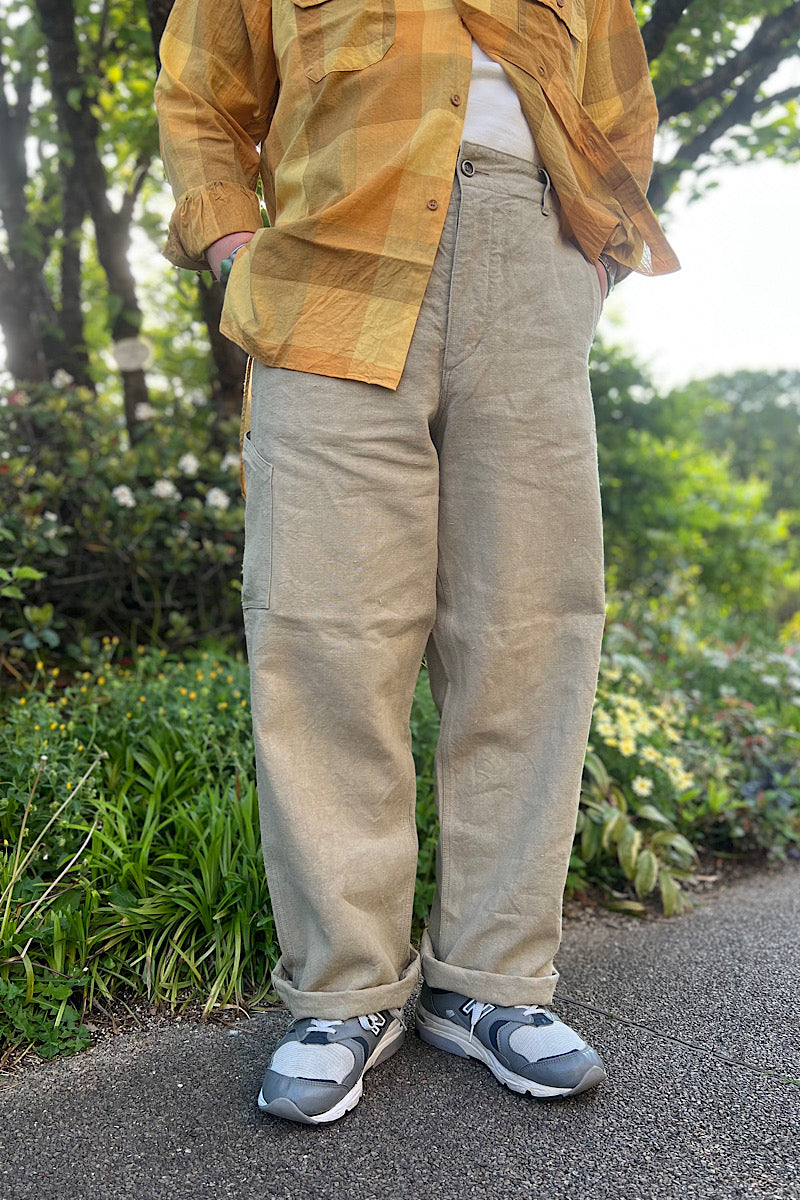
[
  {"x": 97, "y": 537},
  {"x": 130, "y": 854},
  {"x": 672, "y": 502}
]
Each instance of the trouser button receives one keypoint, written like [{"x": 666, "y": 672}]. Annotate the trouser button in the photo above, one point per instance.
[{"x": 467, "y": 168}]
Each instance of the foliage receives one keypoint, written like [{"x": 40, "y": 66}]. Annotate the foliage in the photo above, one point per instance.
[
  {"x": 753, "y": 417},
  {"x": 98, "y": 536},
  {"x": 720, "y": 73},
  {"x": 130, "y": 856},
  {"x": 672, "y": 503}
]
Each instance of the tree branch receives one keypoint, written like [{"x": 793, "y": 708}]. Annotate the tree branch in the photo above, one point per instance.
[
  {"x": 738, "y": 112},
  {"x": 664, "y": 16},
  {"x": 770, "y": 37}
]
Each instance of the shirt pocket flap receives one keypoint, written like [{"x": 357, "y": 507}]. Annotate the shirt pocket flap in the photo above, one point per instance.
[{"x": 571, "y": 13}]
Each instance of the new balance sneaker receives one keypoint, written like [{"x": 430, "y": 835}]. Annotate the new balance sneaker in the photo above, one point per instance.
[
  {"x": 527, "y": 1048},
  {"x": 316, "y": 1072}
]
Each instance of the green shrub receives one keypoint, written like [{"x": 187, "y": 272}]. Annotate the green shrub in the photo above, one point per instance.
[
  {"x": 130, "y": 857},
  {"x": 99, "y": 538}
]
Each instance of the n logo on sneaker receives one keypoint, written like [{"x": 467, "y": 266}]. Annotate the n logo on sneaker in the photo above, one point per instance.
[
  {"x": 374, "y": 1022},
  {"x": 475, "y": 1006}
]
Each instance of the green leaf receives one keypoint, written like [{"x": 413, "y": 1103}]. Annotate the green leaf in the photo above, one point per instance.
[
  {"x": 628, "y": 850},
  {"x": 649, "y": 812},
  {"x": 670, "y": 892},
  {"x": 646, "y": 875}
]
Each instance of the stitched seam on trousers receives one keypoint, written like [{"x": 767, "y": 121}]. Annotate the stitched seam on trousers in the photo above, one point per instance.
[
  {"x": 442, "y": 381},
  {"x": 443, "y": 754}
]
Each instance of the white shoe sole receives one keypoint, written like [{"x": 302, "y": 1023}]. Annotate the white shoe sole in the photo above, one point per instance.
[
  {"x": 444, "y": 1034},
  {"x": 286, "y": 1108}
]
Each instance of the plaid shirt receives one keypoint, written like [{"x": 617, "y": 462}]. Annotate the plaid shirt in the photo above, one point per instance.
[{"x": 358, "y": 108}]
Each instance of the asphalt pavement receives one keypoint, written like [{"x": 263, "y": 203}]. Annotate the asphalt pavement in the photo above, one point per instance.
[{"x": 696, "y": 1017}]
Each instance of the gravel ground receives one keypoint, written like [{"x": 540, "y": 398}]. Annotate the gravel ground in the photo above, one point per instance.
[{"x": 697, "y": 1019}]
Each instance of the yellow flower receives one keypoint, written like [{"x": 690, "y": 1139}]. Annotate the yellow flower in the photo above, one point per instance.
[
  {"x": 649, "y": 754},
  {"x": 55, "y": 672},
  {"x": 22, "y": 700},
  {"x": 39, "y": 666},
  {"x": 244, "y": 704},
  {"x": 627, "y": 747},
  {"x": 101, "y": 680},
  {"x": 642, "y": 786},
  {"x": 142, "y": 699},
  {"x": 672, "y": 763},
  {"x": 183, "y": 691},
  {"x": 192, "y": 695},
  {"x": 609, "y": 741},
  {"x": 683, "y": 781}
]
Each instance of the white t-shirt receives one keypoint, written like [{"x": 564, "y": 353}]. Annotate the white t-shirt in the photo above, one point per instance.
[{"x": 494, "y": 117}]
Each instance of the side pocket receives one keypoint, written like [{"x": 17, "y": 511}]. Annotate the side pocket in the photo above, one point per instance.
[{"x": 257, "y": 565}]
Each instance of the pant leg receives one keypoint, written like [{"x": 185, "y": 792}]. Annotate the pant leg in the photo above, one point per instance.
[
  {"x": 339, "y": 596},
  {"x": 514, "y": 653}
]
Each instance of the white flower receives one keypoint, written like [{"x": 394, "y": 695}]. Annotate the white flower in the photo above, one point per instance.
[
  {"x": 145, "y": 412},
  {"x": 189, "y": 464},
  {"x": 164, "y": 489},
  {"x": 642, "y": 786},
  {"x": 124, "y": 496},
  {"x": 216, "y": 498},
  {"x": 52, "y": 527},
  {"x": 770, "y": 681},
  {"x": 230, "y": 462},
  {"x": 61, "y": 379}
]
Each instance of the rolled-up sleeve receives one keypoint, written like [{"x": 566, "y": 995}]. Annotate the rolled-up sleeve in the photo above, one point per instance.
[{"x": 214, "y": 96}]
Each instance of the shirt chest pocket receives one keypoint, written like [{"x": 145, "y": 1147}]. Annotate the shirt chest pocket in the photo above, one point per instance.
[
  {"x": 342, "y": 35},
  {"x": 556, "y": 32}
]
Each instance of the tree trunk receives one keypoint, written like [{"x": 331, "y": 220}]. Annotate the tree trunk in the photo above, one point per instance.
[{"x": 112, "y": 228}]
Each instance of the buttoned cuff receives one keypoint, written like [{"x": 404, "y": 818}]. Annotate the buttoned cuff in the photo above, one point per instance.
[{"x": 205, "y": 214}]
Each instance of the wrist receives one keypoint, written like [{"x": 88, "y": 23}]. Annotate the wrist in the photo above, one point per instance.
[
  {"x": 224, "y": 247},
  {"x": 610, "y": 268}
]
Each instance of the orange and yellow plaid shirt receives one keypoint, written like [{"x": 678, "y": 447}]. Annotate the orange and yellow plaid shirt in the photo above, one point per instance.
[{"x": 358, "y": 108}]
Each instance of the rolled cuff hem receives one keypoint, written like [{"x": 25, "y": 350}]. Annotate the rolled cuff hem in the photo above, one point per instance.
[
  {"x": 340, "y": 1006},
  {"x": 502, "y": 990},
  {"x": 204, "y": 215}
]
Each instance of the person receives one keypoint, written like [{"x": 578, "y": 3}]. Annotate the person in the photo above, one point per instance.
[{"x": 452, "y": 186}]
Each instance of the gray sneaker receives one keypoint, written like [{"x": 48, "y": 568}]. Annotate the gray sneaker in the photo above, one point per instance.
[
  {"x": 315, "y": 1074},
  {"x": 527, "y": 1048}
]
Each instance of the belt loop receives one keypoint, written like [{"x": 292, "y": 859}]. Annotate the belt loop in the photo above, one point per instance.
[{"x": 543, "y": 175}]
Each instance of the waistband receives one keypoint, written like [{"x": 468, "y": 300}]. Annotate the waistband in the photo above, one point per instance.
[{"x": 503, "y": 173}]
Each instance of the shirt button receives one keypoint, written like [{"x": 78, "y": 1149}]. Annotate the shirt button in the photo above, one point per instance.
[
  {"x": 560, "y": 3},
  {"x": 433, "y": 205},
  {"x": 467, "y": 168},
  {"x": 455, "y": 99}
]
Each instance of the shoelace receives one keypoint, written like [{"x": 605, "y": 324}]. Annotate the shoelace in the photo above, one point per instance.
[
  {"x": 478, "y": 1010},
  {"x": 372, "y": 1021},
  {"x": 319, "y": 1026}
]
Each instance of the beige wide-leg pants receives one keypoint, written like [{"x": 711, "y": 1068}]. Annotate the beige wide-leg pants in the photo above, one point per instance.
[{"x": 460, "y": 514}]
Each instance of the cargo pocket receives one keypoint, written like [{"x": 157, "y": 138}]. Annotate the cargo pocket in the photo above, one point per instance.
[
  {"x": 343, "y": 35},
  {"x": 257, "y": 565}
]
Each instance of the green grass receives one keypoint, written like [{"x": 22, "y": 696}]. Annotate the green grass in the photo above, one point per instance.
[{"x": 130, "y": 860}]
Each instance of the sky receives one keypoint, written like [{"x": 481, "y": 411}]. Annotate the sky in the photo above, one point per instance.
[{"x": 736, "y": 301}]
